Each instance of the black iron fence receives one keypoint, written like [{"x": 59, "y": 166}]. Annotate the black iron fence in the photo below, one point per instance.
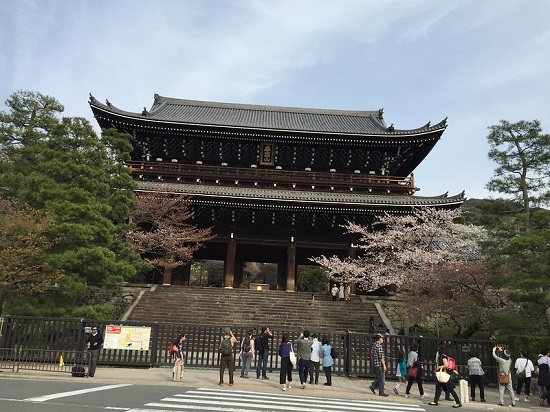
[
  {"x": 54, "y": 337},
  {"x": 66, "y": 361}
]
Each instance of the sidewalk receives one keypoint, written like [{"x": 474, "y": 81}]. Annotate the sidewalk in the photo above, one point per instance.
[{"x": 342, "y": 386}]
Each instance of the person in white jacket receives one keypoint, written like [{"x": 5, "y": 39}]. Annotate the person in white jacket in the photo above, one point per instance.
[
  {"x": 524, "y": 367},
  {"x": 314, "y": 368}
]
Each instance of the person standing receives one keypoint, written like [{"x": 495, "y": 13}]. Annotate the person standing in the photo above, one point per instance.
[
  {"x": 304, "y": 356},
  {"x": 314, "y": 367},
  {"x": 94, "y": 342},
  {"x": 543, "y": 364},
  {"x": 504, "y": 366},
  {"x": 414, "y": 363},
  {"x": 347, "y": 292},
  {"x": 475, "y": 376},
  {"x": 285, "y": 376},
  {"x": 226, "y": 355},
  {"x": 179, "y": 354},
  {"x": 263, "y": 353},
  {"x": 449, "y": 386},
  {"x": 379, "y": 361},
  {"x": 325, "y": 353},
  {"x": 341, "y": 292},
  {"x": 334, "y": 292},
  {"x": 524, "y": 367},
  {"x": 247, "y": 353}
]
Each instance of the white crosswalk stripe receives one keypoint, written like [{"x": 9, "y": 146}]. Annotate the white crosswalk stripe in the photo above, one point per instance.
[{"x": 203, "y": 399}]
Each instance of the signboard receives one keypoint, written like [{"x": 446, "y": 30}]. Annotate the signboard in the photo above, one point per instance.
[{"x": 127, "y": 337}]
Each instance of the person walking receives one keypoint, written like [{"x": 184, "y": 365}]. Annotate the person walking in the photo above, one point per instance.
[
  {"x": 304, "y": 356},
  {"x": 247, "y": 353},
  {"x": 524, "y": 368},
  {"x": 414, "y": 369},
  {"x": 179, "y": 355},
  {"x": 448, "y": 386},
  {"x": 285, "y": 376},
  {"x": 504, "y": 364},
  {"x": 94, "y": 342},
  {"x": 328, "y": 361},
  {"x": 379, "y": 362},
  {"x": 401, "y": 371},
  {"x": 263, "y": 353},
  {"x": 341, "y": 292},
  {"x": 315, "y": 359},
  {"x": 475, "y": 376},
  {"x": 227, "y": 342}
]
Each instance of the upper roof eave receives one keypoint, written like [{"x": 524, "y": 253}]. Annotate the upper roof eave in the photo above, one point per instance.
[{"x": 321, "y": 118}]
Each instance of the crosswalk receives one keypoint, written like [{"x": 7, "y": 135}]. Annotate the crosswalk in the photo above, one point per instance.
[{"x": 203, "y": 399}]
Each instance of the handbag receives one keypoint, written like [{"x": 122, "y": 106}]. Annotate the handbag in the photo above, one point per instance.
[
  {"x": 503, "y": 379},
  {"x": 412, "y": 372},
  {"x": 441, "y": 375},
  {"x": 522, "y": 374},
  {"x": 292, "y": 356}
]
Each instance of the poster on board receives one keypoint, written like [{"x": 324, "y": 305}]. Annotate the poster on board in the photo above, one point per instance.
[{"x": 127, "y": 337}]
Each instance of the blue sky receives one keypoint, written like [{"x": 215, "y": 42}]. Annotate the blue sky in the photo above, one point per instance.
[{"x": 475, "y": 62}]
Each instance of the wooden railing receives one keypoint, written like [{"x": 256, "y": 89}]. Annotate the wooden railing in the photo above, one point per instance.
[{"x": 273, "y": 178}]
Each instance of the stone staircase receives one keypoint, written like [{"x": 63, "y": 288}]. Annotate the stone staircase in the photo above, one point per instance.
[{"x": 252, "y": 308}]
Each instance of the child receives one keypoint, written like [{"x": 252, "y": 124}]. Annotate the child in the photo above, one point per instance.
[{"x": 401, "y": 371}]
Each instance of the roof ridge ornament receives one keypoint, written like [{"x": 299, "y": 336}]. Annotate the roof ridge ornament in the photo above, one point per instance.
[
  {"x": 391, "y": 128},
  {"x": 92, "y": 98}
]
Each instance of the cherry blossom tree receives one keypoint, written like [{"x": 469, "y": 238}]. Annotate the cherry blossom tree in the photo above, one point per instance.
[{"x": 163, "y": 235}]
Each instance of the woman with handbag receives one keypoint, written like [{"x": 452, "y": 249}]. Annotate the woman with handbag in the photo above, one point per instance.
[
  {"x": 285, "y": 376},
  {"x": 445, "y": 378},
  {"x": 504, "y": 380},
  {"x": 524, "y": 367},
  {"x": 413, "y": 371}
]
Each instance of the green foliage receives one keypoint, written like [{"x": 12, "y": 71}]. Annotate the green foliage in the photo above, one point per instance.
[
  {"x": 59, "y": 165},
  {"x": 530, "y": 343},
  {"x": 312, "y": 279}
]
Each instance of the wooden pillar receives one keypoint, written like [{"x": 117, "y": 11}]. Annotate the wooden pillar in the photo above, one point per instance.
[
  {"x": 186, "y": 274},
  {"x": 229, "y": 264},
  {"x": 167, "y": 276},
  {"x": 291, "y": 265}
]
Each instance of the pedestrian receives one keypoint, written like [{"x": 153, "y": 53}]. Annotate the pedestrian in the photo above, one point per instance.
[
  {"x": 524, "y": 368},
  {"x": 227, "y": 342},
  {"x": 347, "y": 292},
  {"x": 285, "y": 376},
  {"x": 379, "y": 362},
  {"x": 401, "y": 371},
  {"x": 328, "y": 361},
  {"x": 414, "y": 370},
  {"x": 178, "y": 356},
  {"x": 372, "y": 326},
  {"x": 315, "y": 359},
  {"x": 475, "y": 377},
  {"x": 304, "y": 356},
  {"x": 341, "y": 292},
  {"x": 334, "y": 292},
  {"x": 94, "y": 342},
  {"x": 263, "y": 352},
  {"x": 247, "y": 353},
  {"x": 504, "y": 379},
  {"x": 543, "y": 364},
  {"x": 443, "y": 364}
]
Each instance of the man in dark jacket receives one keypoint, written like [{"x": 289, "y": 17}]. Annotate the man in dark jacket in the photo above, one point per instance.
[
  {"x": 94, "y": 342},
  {"x": 263, "y": 354}
]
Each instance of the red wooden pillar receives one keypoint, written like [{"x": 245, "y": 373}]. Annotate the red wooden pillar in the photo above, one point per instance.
[
  {"x": 229, "y": 264},
  {"x": 291, "y": 265},
  {"x": 186, "y": 274}
]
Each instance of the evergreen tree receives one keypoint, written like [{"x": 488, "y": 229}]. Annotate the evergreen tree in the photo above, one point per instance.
[{"x": 60, "y": 165}]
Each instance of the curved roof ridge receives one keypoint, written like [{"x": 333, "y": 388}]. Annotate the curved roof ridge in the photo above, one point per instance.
[{"x": 263, "y": 108}]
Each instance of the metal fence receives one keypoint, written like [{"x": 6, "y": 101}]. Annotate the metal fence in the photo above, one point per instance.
[
  {"x": 53, "y": 336},
  {"x": 73, "y": 362}
]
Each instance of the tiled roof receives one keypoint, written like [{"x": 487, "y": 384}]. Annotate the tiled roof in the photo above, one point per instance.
[
  {"x": 309, "y": 199},
  {"x": 194, "y": 112}
]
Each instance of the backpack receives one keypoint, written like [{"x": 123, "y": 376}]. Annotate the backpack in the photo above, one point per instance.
[
  {"x": 245, "y": 345},
  {"x": 259, "y": 343},
  {"x": 225, "y": 347},
  {"x": 333, "y": 353},
  {"x": 451, "y": 363},
  {"x": 172, "y": 349}
]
